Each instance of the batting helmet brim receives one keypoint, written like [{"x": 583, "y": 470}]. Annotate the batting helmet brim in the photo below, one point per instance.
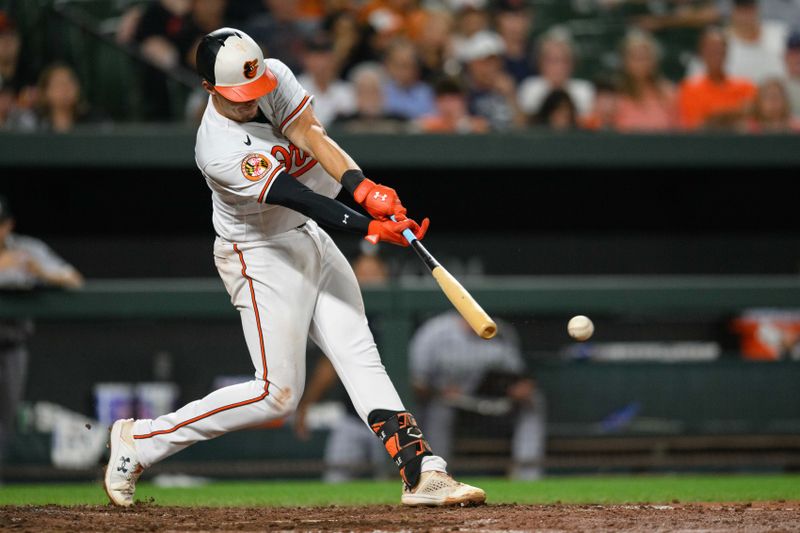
[{"x": 257, "y": 88}]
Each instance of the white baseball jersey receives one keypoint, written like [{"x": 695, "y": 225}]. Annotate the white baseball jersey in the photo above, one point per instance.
[
  {"x": 241, "y": 160},
  {"x": 285, "y": 276}
]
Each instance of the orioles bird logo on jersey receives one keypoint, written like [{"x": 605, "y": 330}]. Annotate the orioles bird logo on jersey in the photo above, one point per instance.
[
  {"x": 255, "y": 166},
  {"x": 250, "y": 69}
]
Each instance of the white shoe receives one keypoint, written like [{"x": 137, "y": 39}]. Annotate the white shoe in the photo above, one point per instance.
[
  {"x": 438, "y": 488},
  {"x": 123, "y": 467}
]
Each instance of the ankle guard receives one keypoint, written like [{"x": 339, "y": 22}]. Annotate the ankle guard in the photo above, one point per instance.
[{"x": 403, "y": 440}]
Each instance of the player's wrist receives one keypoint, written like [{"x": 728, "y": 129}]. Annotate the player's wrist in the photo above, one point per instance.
[{"x": 354, "y": 179}]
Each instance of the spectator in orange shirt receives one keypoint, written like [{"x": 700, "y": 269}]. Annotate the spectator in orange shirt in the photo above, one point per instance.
[
  {"x": 451, "y": 115},
  {"x": 772, "y": 112},
  {"x": 714, "y": 98},
  {"x": 648, "y": 102}
]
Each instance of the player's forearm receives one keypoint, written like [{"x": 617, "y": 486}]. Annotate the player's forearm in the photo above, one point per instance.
[
  {"x": 322, "y": 379},
  {"x": 330, "y": 155},
  {"x": 307, "y": 133},
  {"x": 380, "y": 201},
  {"x": 70, "y": 279},
  {"x": 422, "y": 392}
]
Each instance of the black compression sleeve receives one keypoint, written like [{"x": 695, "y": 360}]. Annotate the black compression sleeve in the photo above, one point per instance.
[
  {"x": 288, "y": 192},
  {"x": 352, "y": 179}
]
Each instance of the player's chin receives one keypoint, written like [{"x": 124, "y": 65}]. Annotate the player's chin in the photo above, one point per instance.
[{"x": 246, "y": 111}]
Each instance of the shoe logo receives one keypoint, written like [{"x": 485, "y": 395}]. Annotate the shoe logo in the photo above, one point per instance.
[
  {"x": 248, "y": 142},
  {"x": 123, "y": 463},
  {"x": 344, "y": 220}
]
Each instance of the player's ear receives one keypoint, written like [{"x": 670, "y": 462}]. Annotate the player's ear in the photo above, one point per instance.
[{"x": 208, "y": 87}]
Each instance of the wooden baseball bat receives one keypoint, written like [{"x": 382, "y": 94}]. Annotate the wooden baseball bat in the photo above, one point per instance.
[{"x": 480, "y": 322}]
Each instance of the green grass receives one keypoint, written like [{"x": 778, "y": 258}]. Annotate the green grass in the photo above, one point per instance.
[{"x": 611, "y": 489}]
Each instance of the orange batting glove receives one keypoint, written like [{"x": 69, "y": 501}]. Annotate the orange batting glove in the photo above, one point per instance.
[
  {"x": 391, "y": 231},
  {"x": 380, "y": 201}
]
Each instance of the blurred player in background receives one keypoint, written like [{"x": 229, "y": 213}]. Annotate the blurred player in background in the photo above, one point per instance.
[
  {"x": 452, "y": 369},
  {"x": 25, "y": 263},
  {"x": 351, "y": 449}
]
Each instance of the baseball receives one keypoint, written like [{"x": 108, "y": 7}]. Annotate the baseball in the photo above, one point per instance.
[{"x": 580, "y": 328}]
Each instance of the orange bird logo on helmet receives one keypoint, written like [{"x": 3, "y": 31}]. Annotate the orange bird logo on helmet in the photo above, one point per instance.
[{"x": 250, "y": 69}]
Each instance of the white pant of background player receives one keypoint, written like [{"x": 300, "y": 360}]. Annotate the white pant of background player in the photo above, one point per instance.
[
  {"x": 289, "y": 287},
  {"x": 527, "y": 440}
]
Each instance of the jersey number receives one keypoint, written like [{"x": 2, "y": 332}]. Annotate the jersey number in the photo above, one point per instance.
[{"x": 294, "y": 159}]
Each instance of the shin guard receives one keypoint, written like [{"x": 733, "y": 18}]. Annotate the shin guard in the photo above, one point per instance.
[{"x": 403, "y": 440}]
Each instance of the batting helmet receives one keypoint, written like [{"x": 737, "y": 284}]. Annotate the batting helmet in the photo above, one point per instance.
[{"x": 233, "y": 63}]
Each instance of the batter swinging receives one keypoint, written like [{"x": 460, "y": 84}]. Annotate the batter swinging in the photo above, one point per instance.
[{"x": 273, "y": 174}]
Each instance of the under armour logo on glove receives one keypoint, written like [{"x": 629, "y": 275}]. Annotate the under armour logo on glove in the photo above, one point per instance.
[
  {"x": 123, "y": 464},
  {"x": 380, "y": 201}
]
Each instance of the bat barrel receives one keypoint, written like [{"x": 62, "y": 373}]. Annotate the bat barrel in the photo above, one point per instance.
[{"x": 480, "y": 322}]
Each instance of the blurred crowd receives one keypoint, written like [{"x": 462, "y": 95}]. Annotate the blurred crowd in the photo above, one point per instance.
[{"x": 459, "y": 66}]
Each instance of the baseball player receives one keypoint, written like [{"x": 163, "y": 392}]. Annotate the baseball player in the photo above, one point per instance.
[
  {"x": 449, "y": 366},
  {"x": 26, "y": 263},
  {"x": 273, "y": 173}
]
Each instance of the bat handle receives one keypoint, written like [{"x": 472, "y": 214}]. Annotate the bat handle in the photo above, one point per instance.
[{"x": 407, "y": 233}]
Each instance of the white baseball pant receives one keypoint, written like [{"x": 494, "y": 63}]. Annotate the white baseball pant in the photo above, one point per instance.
[{"x": 286, "y": 288}]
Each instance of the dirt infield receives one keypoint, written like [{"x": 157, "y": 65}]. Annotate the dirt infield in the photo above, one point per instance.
[{"x": 761, "y": 516}]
